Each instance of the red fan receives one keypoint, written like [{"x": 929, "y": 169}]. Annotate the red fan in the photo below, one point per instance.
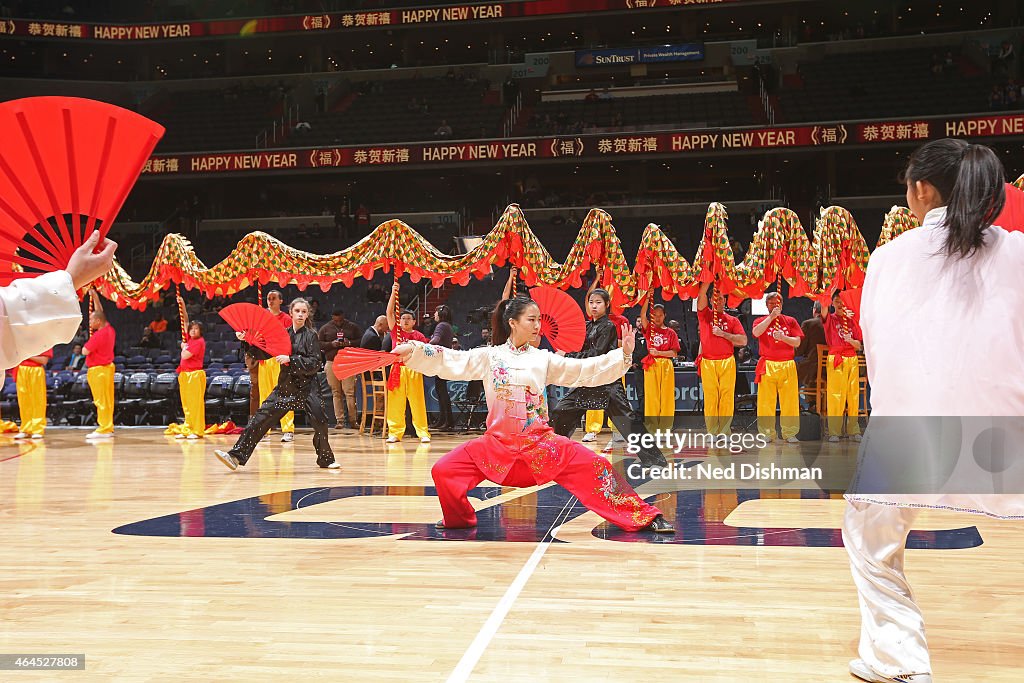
[
  {"x": 561, "y": 319},
  {"x": 261, "y": 328},
  {"x": 66, "y": 166},
  {"x": 353, "y": 361},
  {"x": 1012, "y": 216}
]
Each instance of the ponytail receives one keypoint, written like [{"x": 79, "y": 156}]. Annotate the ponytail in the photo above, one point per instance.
[
  {"x": 509, "y": 309},
  {"x": 970, "y": 180}
]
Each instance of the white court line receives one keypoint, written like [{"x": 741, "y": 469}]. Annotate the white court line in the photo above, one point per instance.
[{"x": 483, "y": 638}]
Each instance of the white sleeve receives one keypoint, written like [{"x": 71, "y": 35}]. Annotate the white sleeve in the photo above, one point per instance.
[
  {"x": 438, "y": 361},
  {"x": 587, "y": 372},
  {"x": 36, "y": 314}
]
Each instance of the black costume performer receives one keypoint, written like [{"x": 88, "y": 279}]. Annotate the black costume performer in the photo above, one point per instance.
[
  {"x": 297, "y": 389},
  {"x": 611, "y": 398}
]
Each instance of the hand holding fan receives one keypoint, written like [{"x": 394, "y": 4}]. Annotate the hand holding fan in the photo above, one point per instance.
[
  {"x": 261, "y": 328},
  {"x": 561, "y": 319},
  {"x": 353, "y": 361},
  {"x": 66, "y": 166}
]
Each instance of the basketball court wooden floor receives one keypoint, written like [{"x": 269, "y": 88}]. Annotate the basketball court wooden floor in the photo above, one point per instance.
[{"x": 157, "y": 563}]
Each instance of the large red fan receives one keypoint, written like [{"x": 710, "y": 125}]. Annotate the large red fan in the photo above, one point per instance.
[
  {"x": 66, "y": 166},
  {"x": 561, "y": 319},
  {"x": 354, "y": 361},
  {"x": 261, "y": 328}
]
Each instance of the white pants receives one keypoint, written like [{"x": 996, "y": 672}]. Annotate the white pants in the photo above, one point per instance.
[{"x": 892, "y": 638}]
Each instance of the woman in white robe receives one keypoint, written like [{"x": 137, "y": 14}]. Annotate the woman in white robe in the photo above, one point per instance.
[{"x": 943, "y": 338}]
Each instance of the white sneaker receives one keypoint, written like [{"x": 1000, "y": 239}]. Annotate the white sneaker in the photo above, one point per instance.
[
  {"x": 37, "y": 436},
  {"x": 425, "y": 439},
  {"x": 608, "y": 447},
  {"x": 618, "y": 438},
  {"x": 589, "y": 436},
  {"x": 392, "y": 439},
  {"x": 857, "y": 437},
  {"x": 179, "y": 437},
  {"x": 792, "y": 439},
  {"x": 860, "y": 669},
  {"x": 287, "y": 437},
  {"x": 833, "y": 439},
  {"x": 334, "y": 466},
  {"x": 226, "y": 458},
  {"x": 22, "y": 435},
  {"x": 193, "y": 437},
  {"x": 99, "y": 435}
]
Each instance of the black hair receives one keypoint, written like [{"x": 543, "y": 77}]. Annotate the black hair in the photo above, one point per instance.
[
  {"x": 603, "y": 293},
  {"x": 407, "y": 311},
  {"x": 338, "y": 311},
  {"x": 196, "y": 323},
  {"x": 444, "y": 314},
  {"x": 660, "y": 307},
  {"x": 509, "y": 309},
  {"x": 970, "y": 180}
]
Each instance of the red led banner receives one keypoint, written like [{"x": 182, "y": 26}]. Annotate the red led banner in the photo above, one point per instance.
[
  {"x": 591, "y": 146},
  {"x": 338, "y": 21}
]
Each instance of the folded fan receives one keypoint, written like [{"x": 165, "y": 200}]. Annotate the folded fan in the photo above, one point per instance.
[
  {"x": 66, "y": 166},
  {"x": 354, "y": 361},
  {"x": 261, "y": 328}
]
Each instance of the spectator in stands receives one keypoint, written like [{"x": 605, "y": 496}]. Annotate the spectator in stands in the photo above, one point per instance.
[
  {"x": 936, "y": 64},
  {"x": 77, "y": 360},
  {"x": 444, "y": 130},
  {"x": 362, "y": 220},
  {"x": 1003, "y": 63},
  {"x": 996, "y": 98},
  {"x": 315, "y": 233},
  {"x": 375, "y": 294},
  {"x": 592, "y": 96},
  {"x": 159, "y": 324},
  {"x": 949, "y": 64},
  {"x": 314, "y": 311},
  {"x": 303, "y": 127}
]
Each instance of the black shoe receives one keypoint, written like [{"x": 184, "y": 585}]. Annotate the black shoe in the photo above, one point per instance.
[
  {"x": 659, "y": 526},
  {"x": 652, "y": 459},
  {"x": 440, "y": 525}
]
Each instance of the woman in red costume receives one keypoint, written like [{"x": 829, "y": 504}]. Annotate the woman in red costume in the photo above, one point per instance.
[{"x": 520, "y": 448}]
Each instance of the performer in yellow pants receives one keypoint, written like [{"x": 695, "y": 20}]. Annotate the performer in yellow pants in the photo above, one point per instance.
[
  {"x": 404, "y": 385},
  {"x": 778, "y": 336},
  {"x": 779, "y": 384},
  {"x": 31, "y": 385},
  {"x": 845, "y": 339},
  {"x": 594, "y": 422},
  {"x": 99, "y": 358},
  {"x": 410, "y": 388},
  {"x": 269, "y": 372},
  {"x": 101, "y": 384},
  {"x": 659, "y": 393},
  {"x": 659, "y": 373},
  {"x": 718, "y": 379},
  {"x": 843, "y": 395},
  {"x": 720, "y": 334},
  {"x": 192, "y": 381}
]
